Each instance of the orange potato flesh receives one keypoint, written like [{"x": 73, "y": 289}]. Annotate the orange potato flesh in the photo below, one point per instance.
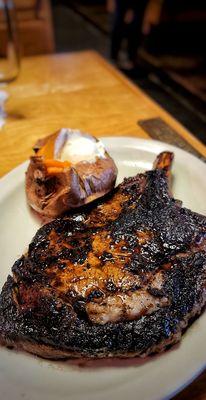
[
  {"x": 54, "y": 170},
  {"x": 47, "y": 151},
  {"x": 56, "y": 163}
]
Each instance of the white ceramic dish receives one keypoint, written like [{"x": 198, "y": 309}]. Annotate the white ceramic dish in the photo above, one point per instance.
[{"x": 26, "y": 377}]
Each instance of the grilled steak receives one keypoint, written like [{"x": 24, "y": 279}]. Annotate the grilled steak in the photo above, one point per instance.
[{"x": 123, "y": 277}]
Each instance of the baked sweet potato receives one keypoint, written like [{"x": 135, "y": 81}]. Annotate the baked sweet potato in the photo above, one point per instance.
[{"x": 69, "y": 169}]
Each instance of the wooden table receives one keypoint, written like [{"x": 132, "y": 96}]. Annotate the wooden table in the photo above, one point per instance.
[
  {"x": 82, "y": 91},
  {"x": 78, "y": 90}
]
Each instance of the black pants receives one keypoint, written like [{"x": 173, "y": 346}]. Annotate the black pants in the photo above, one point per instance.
[{"x": 131, "y": 31}]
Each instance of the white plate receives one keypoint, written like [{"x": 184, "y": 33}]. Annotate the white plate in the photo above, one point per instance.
[{"x": 27, "y": 377}]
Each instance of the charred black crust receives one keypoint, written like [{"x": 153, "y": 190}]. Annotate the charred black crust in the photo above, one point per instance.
[
  {"x": 62, "y": 323},
  {"x": 58, "y": 327}
]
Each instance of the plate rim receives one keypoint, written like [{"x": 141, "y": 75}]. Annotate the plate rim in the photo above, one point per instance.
[{"x": 141, "y": 141}]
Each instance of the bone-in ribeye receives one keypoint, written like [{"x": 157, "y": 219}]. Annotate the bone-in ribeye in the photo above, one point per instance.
[{"x": 123, "y": 277}]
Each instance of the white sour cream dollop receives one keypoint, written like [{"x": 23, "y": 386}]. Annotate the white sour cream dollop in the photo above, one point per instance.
[{"x": 74, "y": 146}]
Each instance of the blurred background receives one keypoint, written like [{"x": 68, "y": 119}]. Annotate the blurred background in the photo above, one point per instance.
[{"x": 159, "y": 44}]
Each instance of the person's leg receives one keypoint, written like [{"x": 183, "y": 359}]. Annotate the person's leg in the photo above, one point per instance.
[
  {"x": 118, "y": 28},
  {"x": 134, "y": 32}
]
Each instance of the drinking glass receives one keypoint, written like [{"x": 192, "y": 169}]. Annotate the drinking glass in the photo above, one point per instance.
[{"x": 9, "y": 43}]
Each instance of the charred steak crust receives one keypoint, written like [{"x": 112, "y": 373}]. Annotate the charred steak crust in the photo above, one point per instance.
[{"x": 74, "y": 291}]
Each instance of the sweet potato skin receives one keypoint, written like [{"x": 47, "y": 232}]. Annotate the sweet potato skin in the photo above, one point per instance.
[{"x": 53, "y": 194}]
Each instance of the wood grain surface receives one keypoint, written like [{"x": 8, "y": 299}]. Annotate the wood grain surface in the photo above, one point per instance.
[
  {"x": 82, "y": 91},
  {"x": 78, "y": 90}
]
